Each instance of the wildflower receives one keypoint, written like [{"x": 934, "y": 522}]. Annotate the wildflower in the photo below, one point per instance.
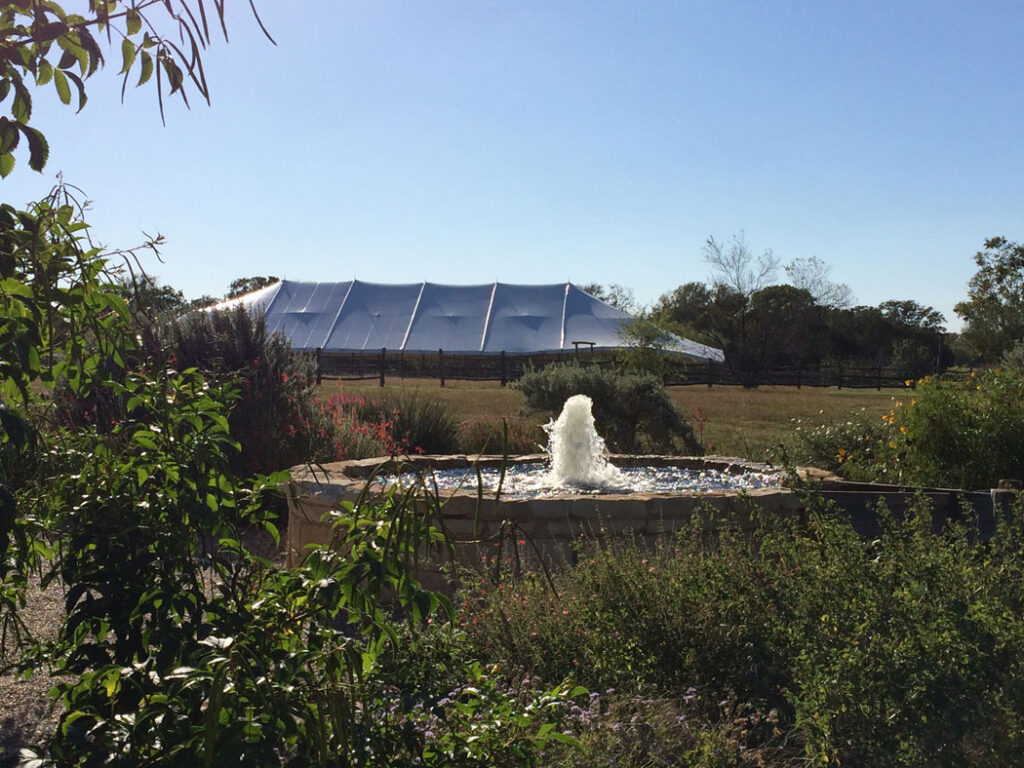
[
  {"x": 903, "y": 430},
  {"x": 908, "y": 383}
]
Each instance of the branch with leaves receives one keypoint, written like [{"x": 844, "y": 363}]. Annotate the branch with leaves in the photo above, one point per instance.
[{"x": 42, "y": 44}]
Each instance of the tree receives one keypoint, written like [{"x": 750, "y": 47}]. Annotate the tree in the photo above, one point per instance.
[
  {"x": 244, "y": 285},
  {"x": 737, "y": 268},
  {"x": 619, "y": 296},
  {"x": 686, "y": 306},
  {"x": 812, "y": 275},
  {"x": 994, "y": 310},
  {"x": 42, "y": 44}
]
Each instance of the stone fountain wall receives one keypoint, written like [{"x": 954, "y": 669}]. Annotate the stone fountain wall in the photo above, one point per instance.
[
  {"x": 549, "y": 524},
  {"x": 552, "y": 524}
]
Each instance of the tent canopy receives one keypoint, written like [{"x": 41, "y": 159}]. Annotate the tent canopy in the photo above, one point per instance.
[{"x": 425, "y": 317}]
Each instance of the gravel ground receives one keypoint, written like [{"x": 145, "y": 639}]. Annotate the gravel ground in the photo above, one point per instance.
[{"x": 27, "y": 715}]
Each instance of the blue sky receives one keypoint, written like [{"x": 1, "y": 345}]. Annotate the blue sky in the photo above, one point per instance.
[{"x": 468, "y": 141}]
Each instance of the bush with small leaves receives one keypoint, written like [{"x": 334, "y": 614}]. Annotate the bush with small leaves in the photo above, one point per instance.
[{"x": 633, "y": 412}]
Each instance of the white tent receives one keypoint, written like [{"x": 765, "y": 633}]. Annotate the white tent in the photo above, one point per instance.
[{"x": 425, "y": 317}]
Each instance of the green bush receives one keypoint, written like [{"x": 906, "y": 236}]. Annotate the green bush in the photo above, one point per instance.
[
  {"x": 516, "y": 436},
  {"x": 277, "y": 417},
  {"x": 903, "y": 650},
  {"x": 633, "y": 412},
  {"x": 961, "y": 432},
  {"x": 398, "y": 424}
]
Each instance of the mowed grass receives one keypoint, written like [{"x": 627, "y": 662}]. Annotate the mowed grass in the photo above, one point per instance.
[
  {"x": 746, "y": 423},
  {"x": 749, "y": 423}
]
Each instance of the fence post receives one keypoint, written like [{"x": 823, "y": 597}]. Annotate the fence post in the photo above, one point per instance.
[
  {"x": 878, "y": 379},
  {"x": 319, "y": 370},
  {"x": 504, "y": 370},
  {"x": 711, "y": 372},
  {"x": 383, "y": 363},
  {"x": 799, "y": 376},
  {"x": 440, "y": 365},
  {"x": 839, "y": 376}
]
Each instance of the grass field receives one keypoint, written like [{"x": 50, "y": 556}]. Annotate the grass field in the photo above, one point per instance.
[{"x": 736, "y": 421}]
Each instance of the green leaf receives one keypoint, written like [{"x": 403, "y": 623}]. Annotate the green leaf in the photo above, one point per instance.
[
  {"x": 21, "y": 107},
  {"x": 38, "y": 148},
  {"x": 45, "y": 73},
  {"x": 60, "y": 82},
  {"x": 82, "y": 98},
  {"x": 127, "y": 55},
  {"x": 9, "y": 135},
  {"x": 133, "y": 21},
  {"x": 6, "y": 164},
  {"x": 147, "y": 69},
  {"x": 566, "y": 738}
]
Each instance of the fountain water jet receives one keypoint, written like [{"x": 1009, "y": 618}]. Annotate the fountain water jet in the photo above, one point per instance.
[{"x": 577, "y": 453}]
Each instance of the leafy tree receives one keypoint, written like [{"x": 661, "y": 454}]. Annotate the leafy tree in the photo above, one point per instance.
[
  {"x": 646, "y": 345},
  {"x": 686, "y": 306},
  {"x": 244, "y": 285},
  {"x": 994, "y": 310},
  {"x": 43, "y": 44}
]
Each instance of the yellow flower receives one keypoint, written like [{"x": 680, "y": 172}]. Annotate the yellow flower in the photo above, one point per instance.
[
  {"x": 903, "y": 430},
  {"x": 907, "y": 383}
]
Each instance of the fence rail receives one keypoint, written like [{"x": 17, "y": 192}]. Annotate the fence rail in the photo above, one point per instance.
[{"x": 504, "y": 368}]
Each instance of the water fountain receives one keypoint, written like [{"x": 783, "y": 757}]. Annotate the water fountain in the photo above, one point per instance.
[
  {"x": 574, "y": 488},
  {"x": 577, "y": 462}
]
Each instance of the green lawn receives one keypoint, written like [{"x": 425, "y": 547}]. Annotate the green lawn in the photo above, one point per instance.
[{"x": 736, "y": 421}]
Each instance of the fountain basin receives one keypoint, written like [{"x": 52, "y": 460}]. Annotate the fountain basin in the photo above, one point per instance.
[{"x": 552, "y": 521}]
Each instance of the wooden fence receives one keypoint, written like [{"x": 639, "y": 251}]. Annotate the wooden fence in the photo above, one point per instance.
[{"x": 504, "y": 368}]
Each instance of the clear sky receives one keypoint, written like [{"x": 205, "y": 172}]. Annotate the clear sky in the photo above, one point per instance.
[{"x": 536, "y": 141}]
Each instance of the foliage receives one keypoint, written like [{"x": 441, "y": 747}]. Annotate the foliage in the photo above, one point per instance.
[
  {"x": 397, "y": 424},
  {"x": 43, "y": 44},
  {"x": 514, "y": 436},
  {"x": 900, "y": 650},
  {"x": 812, "y": 275},
  {"x": 805, "y": 324},
  {"x": 994, "y": 310},
  {"x": 60, "y": 320},
  {"x": 645, "y": 351},
  {"x": 183, "y": 648},
  {"x": 960, "y": 432},
  {"x": 632, "y": 412},
  {"x": 616, "y": 295},
  {"x": 244, "y": 285},
  {"x": 277, "y": 418}
]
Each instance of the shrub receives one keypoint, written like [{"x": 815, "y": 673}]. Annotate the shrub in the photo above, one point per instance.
[
  {"x": 399, "y": 423},
  {"x": 902, "y": 650},
  {"x": 277, "y": 418},
  {"x": 962, "y": 432},
  {"x": 633, "y": 412},
  {"x": 490, "y": 435}
]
